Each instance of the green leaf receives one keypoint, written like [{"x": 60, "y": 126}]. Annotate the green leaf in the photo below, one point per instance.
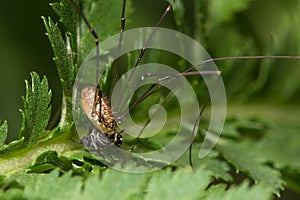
[
  {"x": 224, "y": 10},
  {"x": 64, "y": 67},
  {"x": 237, "y": 127},
  {"x": 114, "y": 185},
  {"x": 65, "y": 51},
  {"x": 49, "y": 160},
  {"x": 179, "y": 9},
  {"x": 292, "y": 179},
  {"x": 50, "y": 186},
  {"x": 3, "y": 133},
  {"x": 165, "y": 184},
  {"x": 178, "y": 185},
  {"x": 61, "y": 57},
  {"x": 219, "y": 168},
  {"x": 11, "y": 147},
  {"x": 281, "y": 147},
  {"x": 69, "y": 18},
  {"x": 243, "y": 191},
  {"x": 12, "y": 194},
  {"x": 244, "y": 157},
  {"x": 37, "y": 110}
]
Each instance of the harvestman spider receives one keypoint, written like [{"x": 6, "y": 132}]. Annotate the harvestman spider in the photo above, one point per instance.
[{"x": 96, "y": 104}]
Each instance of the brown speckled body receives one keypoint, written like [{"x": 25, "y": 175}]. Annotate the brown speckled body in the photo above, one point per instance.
[{"x": 103, "y": 121}]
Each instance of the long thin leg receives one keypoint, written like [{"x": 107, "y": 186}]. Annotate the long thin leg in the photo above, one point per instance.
[
  {"x": 156, "y": 86},
  {"x": 115, "y": 69},
  {"x": 242, "y": 58},
  {"x": 195, "y": 128},
  {"x": 146, "y": 124},
  {"x": 188, "y": 72},
  {"x": 170, "y": 95},
  {"x": 142, "y": 52},
  {"x": 95, "y": 35}
]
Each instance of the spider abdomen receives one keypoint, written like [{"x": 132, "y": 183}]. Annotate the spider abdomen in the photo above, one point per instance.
[{"x": 99, "y": 110}]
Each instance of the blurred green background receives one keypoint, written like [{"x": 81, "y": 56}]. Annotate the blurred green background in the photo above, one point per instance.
[
  {"x": 24, "y": 47},
  {"x": 250, "y": 28}
]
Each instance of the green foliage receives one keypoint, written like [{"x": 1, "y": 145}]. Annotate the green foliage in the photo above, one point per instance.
[
  {"x": 254, "y": 159},
  {"x": 180, "y": 184},
  {"x": 65, "y": 52},
  {"x": 50, "y": 160},
  {"x": 37, "y": 111},
  {"x": 61, "y": 56},
  {"x": 64, "y": 43},
  {"x": 243, "y": 191},
  {"x": 289, "y": 139},
  {"x": 35, "y": 115},
  {"x": 3, "y": 132},
  {"x": 245, "y": 159},
  {"x": 243, "y": 27}
]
